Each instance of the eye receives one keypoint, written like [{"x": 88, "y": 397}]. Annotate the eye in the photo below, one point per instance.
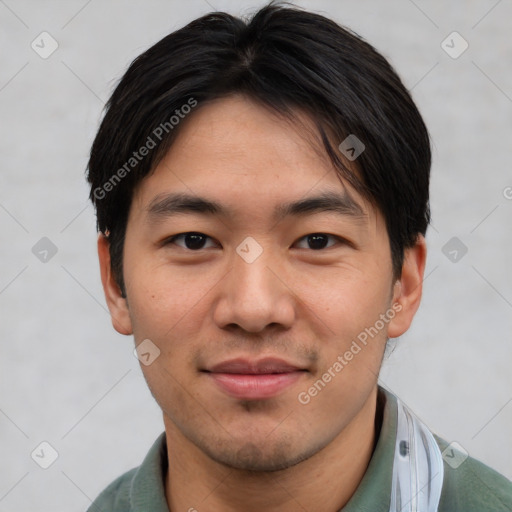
[
  {"x": 317, "y": 241},
  {"x": 193, "y": 240}
]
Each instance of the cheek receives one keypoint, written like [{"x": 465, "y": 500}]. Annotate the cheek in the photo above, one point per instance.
[
  {"x": 343, "y": 301},
  {"x": 162, "y": 299}
]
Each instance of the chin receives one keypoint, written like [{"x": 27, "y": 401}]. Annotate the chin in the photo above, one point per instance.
[{"x": 258, "y": 458}]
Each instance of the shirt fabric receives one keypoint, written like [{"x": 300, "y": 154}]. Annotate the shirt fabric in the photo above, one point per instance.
[{"x": 470, "y": 487}]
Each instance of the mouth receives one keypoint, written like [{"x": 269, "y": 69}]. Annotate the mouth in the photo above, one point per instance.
[{"x": 254, "y": 380}]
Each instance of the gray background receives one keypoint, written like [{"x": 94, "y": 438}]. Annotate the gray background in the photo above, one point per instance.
[{"x": 66, "y": 377}]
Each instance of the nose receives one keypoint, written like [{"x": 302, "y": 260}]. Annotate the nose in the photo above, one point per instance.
[{"x": 254, "y": 295}]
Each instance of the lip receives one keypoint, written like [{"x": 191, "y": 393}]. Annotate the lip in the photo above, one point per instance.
[
  {"x": 266, "y": 365},
  {"x": 254, "y": 380}
]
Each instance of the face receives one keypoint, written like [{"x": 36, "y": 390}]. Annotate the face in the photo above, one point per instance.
[{"x": 266, "y": 313}]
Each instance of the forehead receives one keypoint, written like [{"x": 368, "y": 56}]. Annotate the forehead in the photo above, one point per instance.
[{"x": 247, "y": 159}]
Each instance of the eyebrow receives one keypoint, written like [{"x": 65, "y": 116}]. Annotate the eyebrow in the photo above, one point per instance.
[{"x": 165, "y": 206}]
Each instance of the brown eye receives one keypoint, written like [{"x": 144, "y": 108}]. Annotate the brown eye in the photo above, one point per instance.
[
  {"x": 318, "y": 241},
  {"x": 193, "y": 241}
]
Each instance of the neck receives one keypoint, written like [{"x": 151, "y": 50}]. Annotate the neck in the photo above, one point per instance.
[{"x": 326, "y": 481}]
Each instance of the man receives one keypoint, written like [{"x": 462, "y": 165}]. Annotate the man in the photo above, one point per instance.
[{"x": 261, "y": 191}]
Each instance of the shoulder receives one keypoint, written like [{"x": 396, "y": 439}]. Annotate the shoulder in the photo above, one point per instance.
[
  {"x": 471, "y": 486},
  {"x": 140, "y": 487},
  {"x": 116, "y": 496}
]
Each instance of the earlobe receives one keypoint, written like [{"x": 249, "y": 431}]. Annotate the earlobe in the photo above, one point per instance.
[
  {"x": 408, "y": 289},
  {"x": 115, "y": 301}
]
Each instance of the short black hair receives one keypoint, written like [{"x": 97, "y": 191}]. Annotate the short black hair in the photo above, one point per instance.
[{"x": 288, "y": 60}]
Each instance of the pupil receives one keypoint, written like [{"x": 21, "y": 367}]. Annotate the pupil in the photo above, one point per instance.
[
  {"x": 194, "y": 241},
  {"x": 314, "y": 241}
]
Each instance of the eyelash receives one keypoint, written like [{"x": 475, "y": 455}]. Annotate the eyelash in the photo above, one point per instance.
[{"x": 172, "y": 239}]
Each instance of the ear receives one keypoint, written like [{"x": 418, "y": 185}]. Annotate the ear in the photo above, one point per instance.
[
  {"x": 408, "y": 289},
  {"x": 116, "y": 303}
]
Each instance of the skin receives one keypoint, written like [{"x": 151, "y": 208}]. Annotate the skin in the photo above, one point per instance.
[{"x": 306, "y": 306}]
